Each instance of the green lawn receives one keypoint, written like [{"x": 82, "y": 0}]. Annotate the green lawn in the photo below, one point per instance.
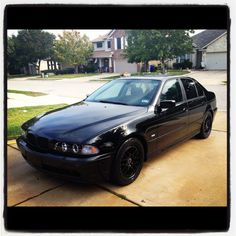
[
  {"x": 64, "y": 76},
  {"x": 20, "y": 76},
  {"x": 28, "y": 93},
  {"x": 17, "y": 116}
]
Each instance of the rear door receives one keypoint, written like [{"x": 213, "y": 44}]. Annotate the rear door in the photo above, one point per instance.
[{"x": 196, "y": 102}]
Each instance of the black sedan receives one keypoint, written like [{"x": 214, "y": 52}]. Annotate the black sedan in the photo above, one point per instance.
[{"x": 118, "y": 127}]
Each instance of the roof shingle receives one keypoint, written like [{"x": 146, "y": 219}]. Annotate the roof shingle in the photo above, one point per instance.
[{"x": 205, "y": 37}]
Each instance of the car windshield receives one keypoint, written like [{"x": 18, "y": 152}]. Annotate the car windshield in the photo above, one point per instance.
[{"x": 134, "y": 92}]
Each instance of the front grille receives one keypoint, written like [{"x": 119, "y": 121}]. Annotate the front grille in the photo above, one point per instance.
[
  {"x": 42, "y": 142},
  {"x": 31, "y": 139},
  {"x": 37, "y": 142}
]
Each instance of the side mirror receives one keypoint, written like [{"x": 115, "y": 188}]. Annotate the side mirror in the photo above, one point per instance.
[{"x": 166, "y": 104}]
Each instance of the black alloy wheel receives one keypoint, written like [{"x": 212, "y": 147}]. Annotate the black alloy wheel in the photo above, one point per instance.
[
  {"x": 206, "y": 126},
  {"x": 128, "y": 162}
]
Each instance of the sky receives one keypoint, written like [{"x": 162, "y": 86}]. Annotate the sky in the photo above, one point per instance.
[{"x": 92, "y": 34}]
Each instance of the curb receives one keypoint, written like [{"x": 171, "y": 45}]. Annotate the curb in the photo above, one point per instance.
[{"x": 11, "y": 142}]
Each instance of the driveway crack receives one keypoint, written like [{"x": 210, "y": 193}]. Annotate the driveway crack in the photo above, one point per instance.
[
  {"x": 119, "y": 195},
  {"x": 58, "y": 186}
]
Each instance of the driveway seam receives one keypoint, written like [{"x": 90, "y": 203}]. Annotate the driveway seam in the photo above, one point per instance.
[
  {"x": 217, "y": 130},
  {"x": 45, "y": 191},
  {"x": 13, "y": 147},
  {"x": 123, "y": 197}
]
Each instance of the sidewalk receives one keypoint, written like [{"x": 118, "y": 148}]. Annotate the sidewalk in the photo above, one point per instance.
[{"x": 21, "y": 100}]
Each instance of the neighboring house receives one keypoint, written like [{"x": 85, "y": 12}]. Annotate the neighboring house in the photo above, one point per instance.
[
  {"x": 210, "y": 50},
  {"x": 109, "y": 53},
  {"x": 48, "y": 64}
]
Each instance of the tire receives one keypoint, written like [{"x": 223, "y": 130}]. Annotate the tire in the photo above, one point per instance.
[
  {"x": 127, "y": 162},
  {"x": 206, "y": 126}
]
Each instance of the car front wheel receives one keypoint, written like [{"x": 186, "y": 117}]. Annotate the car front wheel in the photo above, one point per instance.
[{"x": 128, "y": 162}]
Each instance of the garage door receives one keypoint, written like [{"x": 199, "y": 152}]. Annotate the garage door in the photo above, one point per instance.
[
  {"x": 122, "y": 66},
  {"x": 216, "y": 61}
]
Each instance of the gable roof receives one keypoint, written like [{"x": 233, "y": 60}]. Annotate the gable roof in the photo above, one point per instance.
[
  {"x": 103, "y": 37},
  {"x": 204, "y": 38}
]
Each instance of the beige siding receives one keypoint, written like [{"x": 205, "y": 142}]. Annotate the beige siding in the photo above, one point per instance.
[{"x": 220, "y": 45}]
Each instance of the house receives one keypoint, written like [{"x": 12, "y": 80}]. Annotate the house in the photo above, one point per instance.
[
  {"x": 109, "y": 53},
  {"x": 210, "y": 50}
]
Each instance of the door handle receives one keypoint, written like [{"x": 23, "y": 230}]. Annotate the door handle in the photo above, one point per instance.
[{"x": 184, "y": 109}]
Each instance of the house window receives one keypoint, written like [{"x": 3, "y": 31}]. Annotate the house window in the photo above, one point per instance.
[
  {"x": 99, "y": 44},
  {"x": 108, "y": 44},
  {"x": 118, "y": 43}
]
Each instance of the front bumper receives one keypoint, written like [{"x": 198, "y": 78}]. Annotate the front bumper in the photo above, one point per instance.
[{"x": 87, "y": 169}]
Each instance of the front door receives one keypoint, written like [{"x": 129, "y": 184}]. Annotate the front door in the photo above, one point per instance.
[{"x": 169, "y": 126}]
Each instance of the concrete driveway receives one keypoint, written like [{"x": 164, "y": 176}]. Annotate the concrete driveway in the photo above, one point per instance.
[
  {"x": 73, "y": 90},
  {"x": 193, "y": 173}
]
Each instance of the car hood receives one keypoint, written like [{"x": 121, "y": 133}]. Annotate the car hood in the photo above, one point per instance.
[{"x": 81, "y": 121}]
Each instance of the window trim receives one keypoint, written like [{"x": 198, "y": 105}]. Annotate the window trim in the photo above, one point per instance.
[
  {"x": 118, "y": 44},
  {"x": 191, "y": 99},
  {"x": 109, "y": 42},
  {"x": 183, "y": 95},
  {"x": 97, "y": 44}
]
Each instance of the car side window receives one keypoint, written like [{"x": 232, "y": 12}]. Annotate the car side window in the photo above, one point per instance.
[
  {"x": 199, "y": 89},
  {"x": 190, "y": 88},
  {"x": 172, "y": 91}
]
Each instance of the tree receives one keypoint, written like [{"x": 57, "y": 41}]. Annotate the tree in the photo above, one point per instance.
[
  {"x": 163, "y": 45},
  {"x": 72, "y": 49},
  {"x": 29, "y": 46}
]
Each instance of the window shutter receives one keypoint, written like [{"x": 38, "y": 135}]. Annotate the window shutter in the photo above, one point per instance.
[
  {"x": 122, "y": 42},
  {"x": 115, "y": 40}
]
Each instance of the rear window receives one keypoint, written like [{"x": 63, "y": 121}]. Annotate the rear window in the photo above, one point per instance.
[
  {"x": 199, "y": 89},
  {"x": 190, "y": 88}
]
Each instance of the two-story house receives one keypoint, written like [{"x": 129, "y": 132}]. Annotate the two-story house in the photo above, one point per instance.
[{"x": 109, "y": 53}]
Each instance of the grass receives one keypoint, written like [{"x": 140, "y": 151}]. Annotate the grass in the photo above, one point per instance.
[
  {"x": 20, "y": 76},
  {"x": 17, "y": 116},
  {"x": 65, "y": 76},
  {"x": 28, "y": 93}
]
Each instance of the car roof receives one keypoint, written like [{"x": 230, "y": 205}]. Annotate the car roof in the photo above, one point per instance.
[{"x": 158, "y": 77}]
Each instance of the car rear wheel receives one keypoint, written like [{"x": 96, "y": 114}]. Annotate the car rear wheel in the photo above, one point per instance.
[
  {"x": 206, "y": 126},
  {"x": 128, "y": 162}
]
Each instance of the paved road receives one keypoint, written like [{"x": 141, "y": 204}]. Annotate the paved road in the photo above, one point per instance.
[
  {"x": 193, "y": 173},
  {"x": 73, "y": 90}
]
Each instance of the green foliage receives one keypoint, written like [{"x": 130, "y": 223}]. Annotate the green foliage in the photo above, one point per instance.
[
  {"x": 183, "y": 65},
  {"x": 28, "y": 46},
  {"x": 72, "y": 49},
  {"x": 146, "y": 45}
]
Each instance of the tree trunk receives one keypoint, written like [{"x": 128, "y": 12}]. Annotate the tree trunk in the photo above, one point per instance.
[
  {"x": 146, "y": 66},
  {"x": 38, "y": 71},
  {"x": 76, "y": 69},
  {"x": 163, "y": 66}
]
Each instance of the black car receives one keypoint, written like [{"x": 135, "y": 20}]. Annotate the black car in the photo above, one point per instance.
[{"x": 118, "y": 127}]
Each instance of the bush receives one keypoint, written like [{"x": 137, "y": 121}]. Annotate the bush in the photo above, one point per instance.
[
  {"x": 183, "y": 65},
  {"x": 91, "y": 67},
  {"x": 64, "y": 71}
]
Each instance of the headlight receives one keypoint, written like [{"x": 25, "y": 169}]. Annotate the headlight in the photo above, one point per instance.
[
  {"x": 89, "y": 150},
  {"x": 75, "y": 148}
]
